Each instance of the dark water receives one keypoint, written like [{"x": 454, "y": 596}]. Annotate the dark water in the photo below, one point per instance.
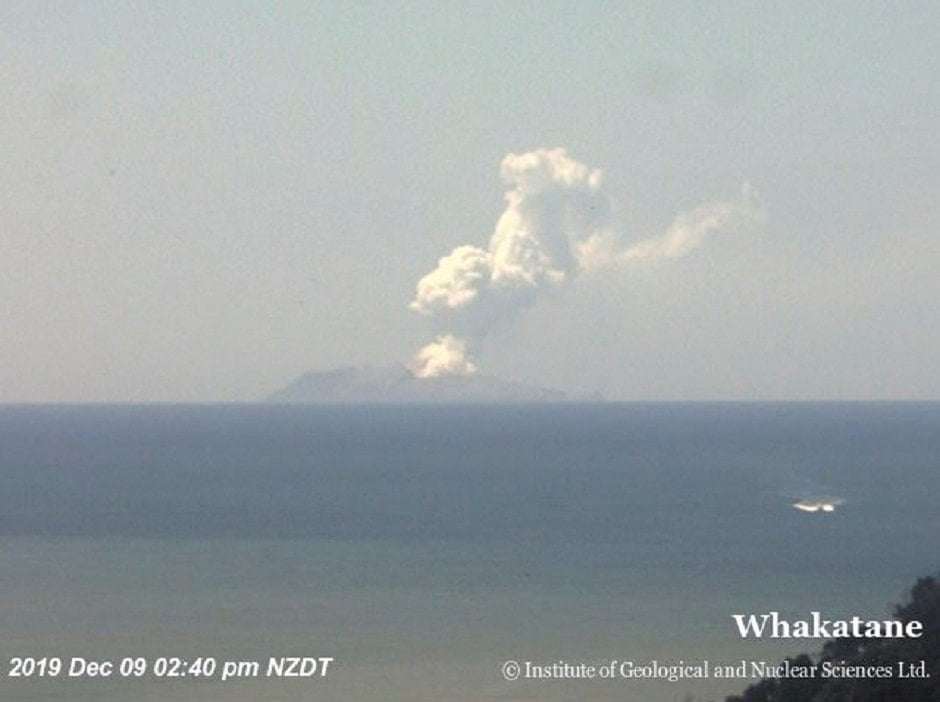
[{"x": 423, "y": 546}]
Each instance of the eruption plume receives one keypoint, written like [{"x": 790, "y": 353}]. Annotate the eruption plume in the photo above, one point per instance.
[
  {"x": 446, "y": 355},
  {"x": 557, "y": 224}
]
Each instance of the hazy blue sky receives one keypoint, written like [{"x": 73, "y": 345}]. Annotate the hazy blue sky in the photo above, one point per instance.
[{"x": 199, "y": 201}]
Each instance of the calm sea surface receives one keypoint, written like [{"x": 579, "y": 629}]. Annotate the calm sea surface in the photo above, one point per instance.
[{"x": 421, "y": 547}]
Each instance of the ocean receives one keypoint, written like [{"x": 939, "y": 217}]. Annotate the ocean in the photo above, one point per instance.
[{"x": 422, "y": 547}]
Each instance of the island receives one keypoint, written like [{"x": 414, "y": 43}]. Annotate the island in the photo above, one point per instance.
[{"x": 397, "y": 384}]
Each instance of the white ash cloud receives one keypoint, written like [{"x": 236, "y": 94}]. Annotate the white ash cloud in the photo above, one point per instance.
[
  {"x": 688, "y": 232},
  {"x": 446, "y": 355},
  {"x": 558, "y": 223}
]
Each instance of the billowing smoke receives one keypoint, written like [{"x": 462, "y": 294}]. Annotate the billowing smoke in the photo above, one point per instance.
[
  {"x": 687, "y": 232},
  {"x": 557, "y": 224},
  {"x": 446, "y": 355}
]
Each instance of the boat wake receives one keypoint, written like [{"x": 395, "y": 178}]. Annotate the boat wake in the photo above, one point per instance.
[{"x": 827, "y": 504}]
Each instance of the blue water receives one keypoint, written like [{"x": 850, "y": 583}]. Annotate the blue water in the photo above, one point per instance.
[{"x": 423, "y": 546}]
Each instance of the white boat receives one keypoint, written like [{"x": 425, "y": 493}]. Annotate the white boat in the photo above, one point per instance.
[{"x": 825, "y": 505}]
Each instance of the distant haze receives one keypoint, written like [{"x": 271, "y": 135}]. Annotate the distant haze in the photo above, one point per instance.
[{"x": 202, "y": 202}]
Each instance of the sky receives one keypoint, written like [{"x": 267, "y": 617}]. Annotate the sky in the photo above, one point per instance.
[{"x": 200, "y": 201}]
